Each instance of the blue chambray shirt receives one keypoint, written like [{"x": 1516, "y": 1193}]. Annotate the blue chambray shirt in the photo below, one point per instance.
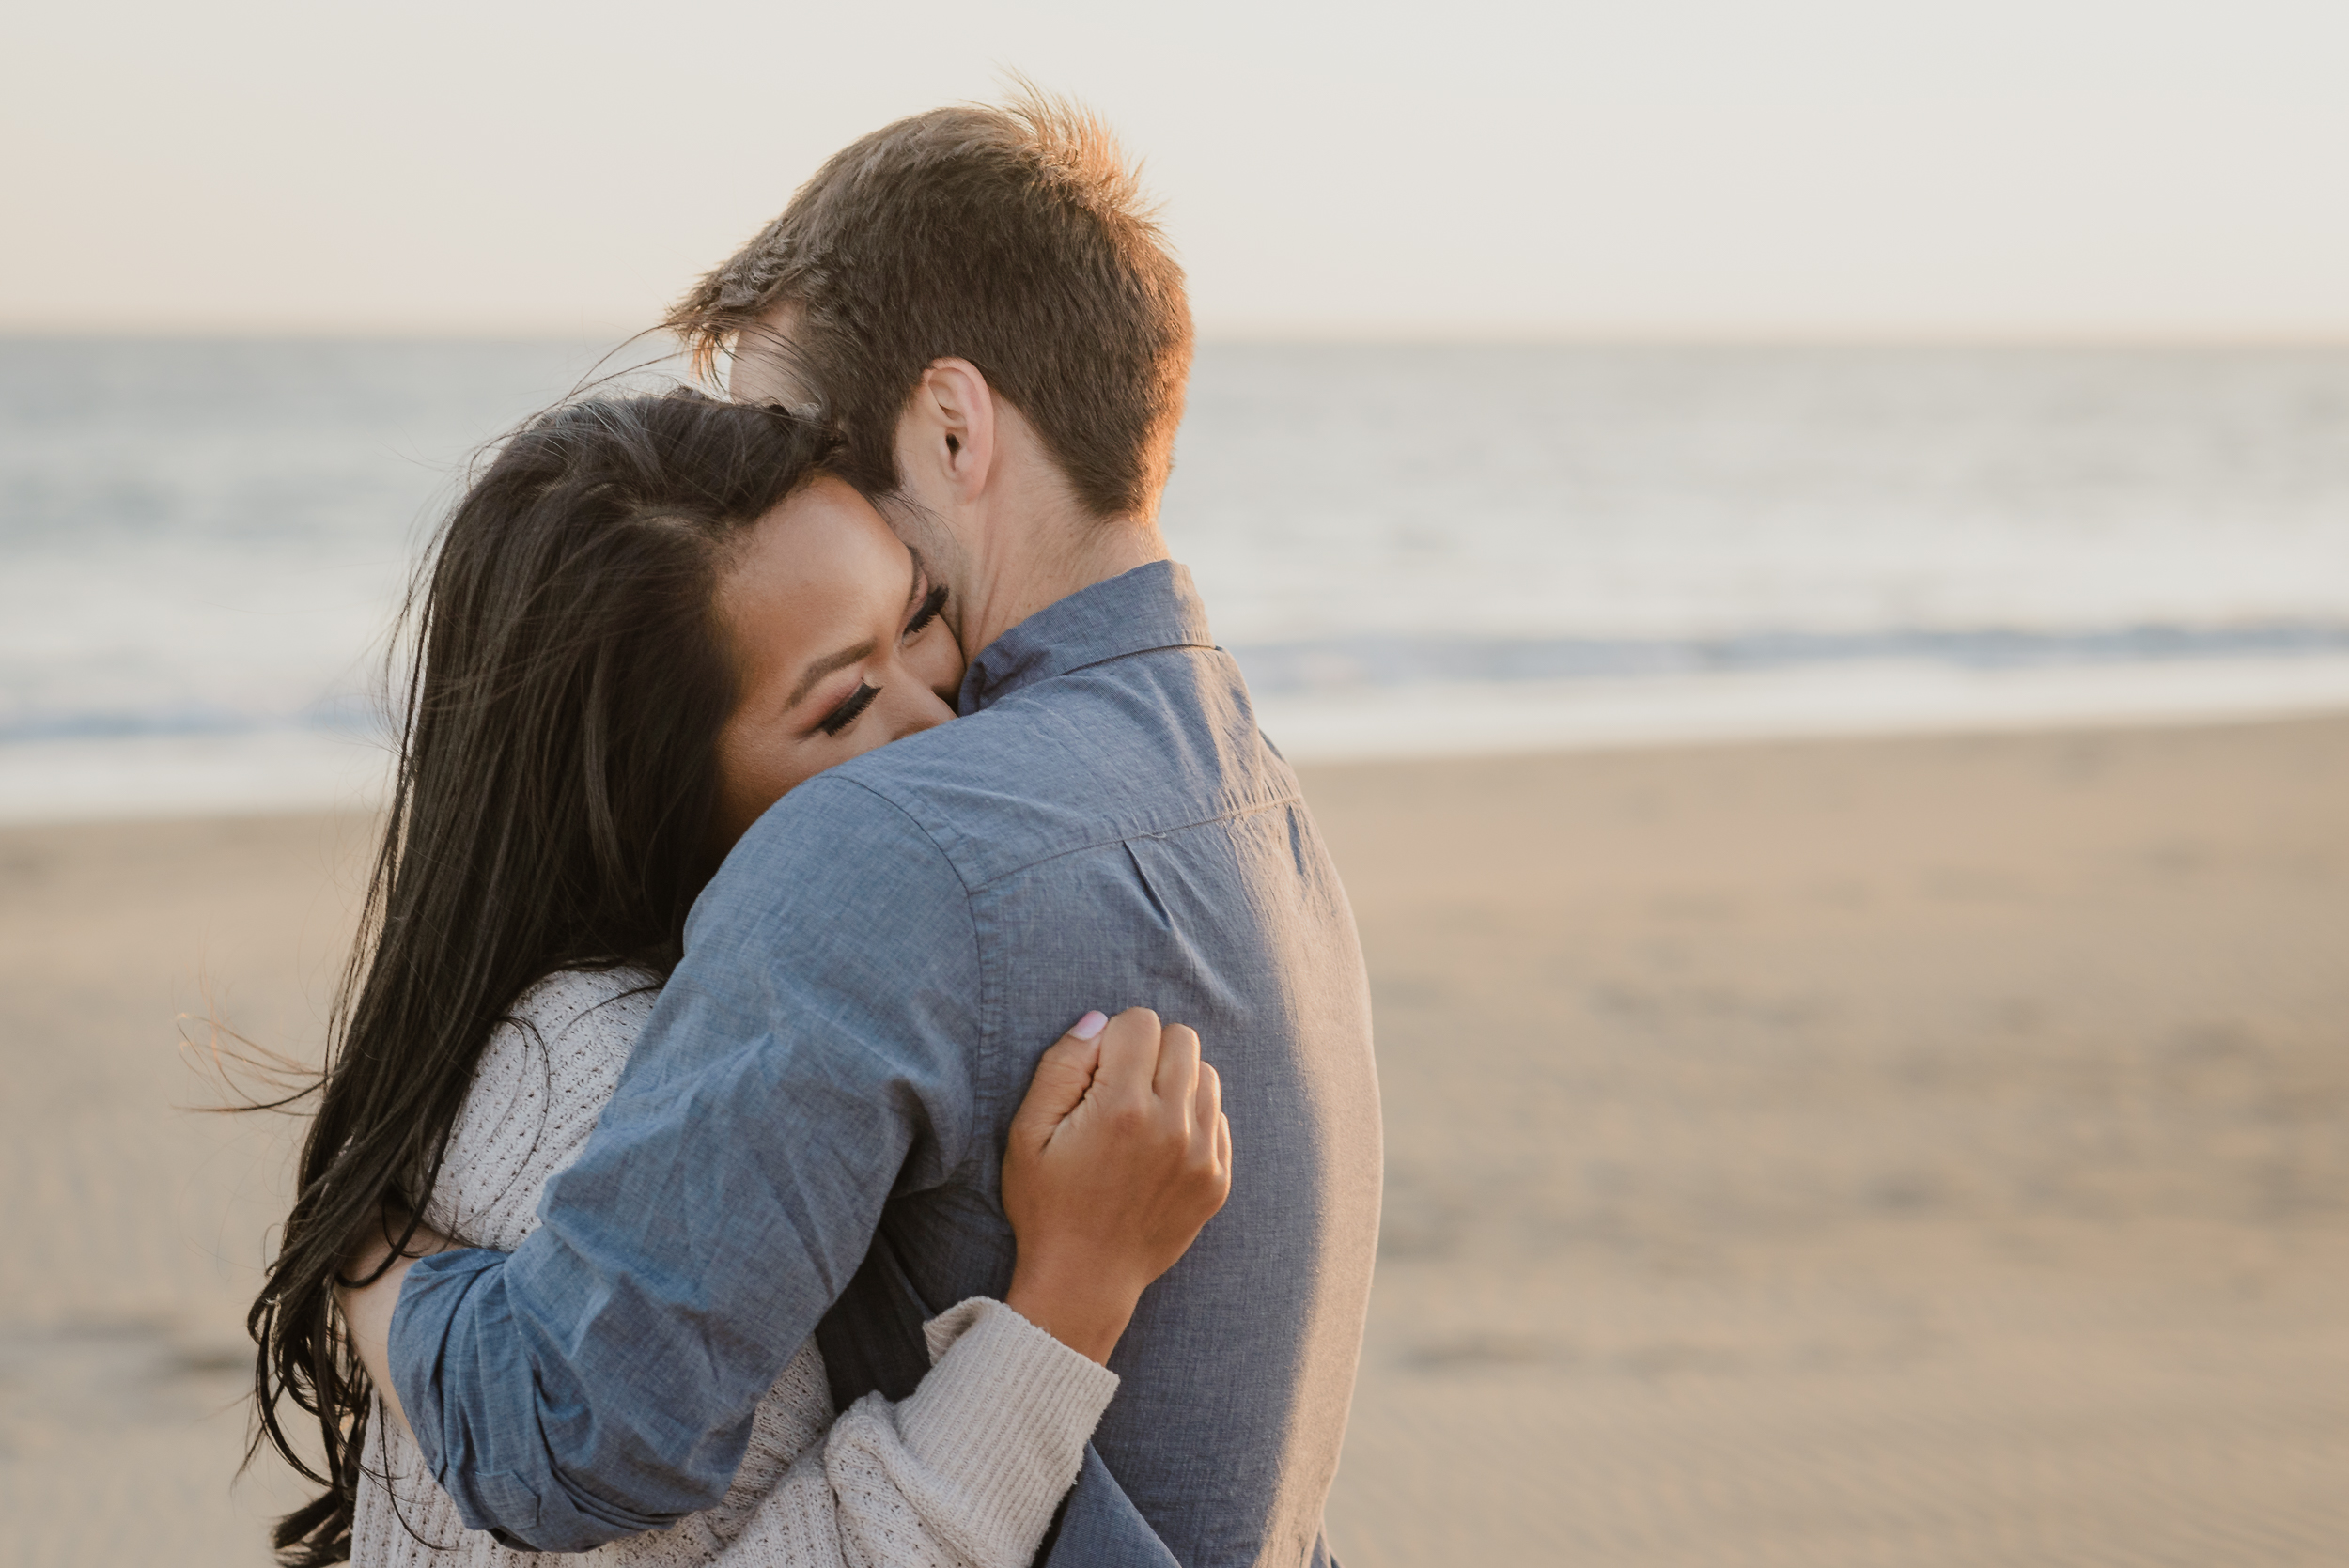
[{"x": 867, "y": 985}]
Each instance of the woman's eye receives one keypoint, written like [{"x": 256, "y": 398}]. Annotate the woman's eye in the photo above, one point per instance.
[
  {"x": 932, "y": 604},
  {"x": 846, "y": 714}
]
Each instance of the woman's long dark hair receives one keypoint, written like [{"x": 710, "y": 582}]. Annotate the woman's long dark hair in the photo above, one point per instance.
[{"x": 553, "y": 808}]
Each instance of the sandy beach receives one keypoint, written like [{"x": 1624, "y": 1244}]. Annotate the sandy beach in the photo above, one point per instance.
[{"x": 1920, "y": 1151}]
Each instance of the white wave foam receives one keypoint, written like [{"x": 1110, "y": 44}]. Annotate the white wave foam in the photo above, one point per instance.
[{"x": 203, "y": 775}]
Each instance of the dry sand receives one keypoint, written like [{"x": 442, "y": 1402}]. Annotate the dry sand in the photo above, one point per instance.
[{"x": 1906, "y": 1152}]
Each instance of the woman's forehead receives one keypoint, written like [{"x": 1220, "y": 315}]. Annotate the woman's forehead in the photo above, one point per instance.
[
  {"x": 815, "y": 571},
  {"x": 823, "y": 530}
]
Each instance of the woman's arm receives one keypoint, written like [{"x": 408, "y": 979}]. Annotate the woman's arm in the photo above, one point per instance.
[
  {"x": 965, "y": 1472},
  {"x": 1118, "y": 1156},
  {"x": 367, "y": 1309}
]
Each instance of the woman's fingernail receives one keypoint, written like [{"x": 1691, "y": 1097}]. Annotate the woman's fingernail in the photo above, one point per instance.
[{"x": 1091, "y": 1025}]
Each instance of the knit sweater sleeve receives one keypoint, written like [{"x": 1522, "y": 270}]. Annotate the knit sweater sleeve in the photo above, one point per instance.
[{"x": 965, "y": 1473}]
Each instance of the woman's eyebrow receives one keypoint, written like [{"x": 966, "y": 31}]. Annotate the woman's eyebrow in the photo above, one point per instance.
[{"x": 817, "y": 668}]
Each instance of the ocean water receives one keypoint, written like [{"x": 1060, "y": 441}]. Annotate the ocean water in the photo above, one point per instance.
[{"x": 1410, "y": 549}]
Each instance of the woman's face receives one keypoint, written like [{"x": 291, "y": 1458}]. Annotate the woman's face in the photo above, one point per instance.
[{"x": 837, "y": 647}]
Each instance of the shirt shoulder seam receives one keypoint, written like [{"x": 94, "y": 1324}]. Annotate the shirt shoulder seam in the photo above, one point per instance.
[{"x": 928, "y": 837}]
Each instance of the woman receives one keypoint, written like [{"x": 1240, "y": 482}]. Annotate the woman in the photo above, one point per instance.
[{"x": 645, "y": 621}]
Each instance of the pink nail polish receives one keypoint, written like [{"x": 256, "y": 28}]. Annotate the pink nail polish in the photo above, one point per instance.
[{"x": 1091, "y": 1025}]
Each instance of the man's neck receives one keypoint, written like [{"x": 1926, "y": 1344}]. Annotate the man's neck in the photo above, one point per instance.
[{"x": 1039, "y": 558}]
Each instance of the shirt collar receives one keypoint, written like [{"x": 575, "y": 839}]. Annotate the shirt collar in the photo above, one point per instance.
[{"x": 1150, "y": 607}]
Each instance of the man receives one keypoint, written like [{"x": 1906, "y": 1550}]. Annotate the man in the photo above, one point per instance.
[{"x": 822, "y": 1092}]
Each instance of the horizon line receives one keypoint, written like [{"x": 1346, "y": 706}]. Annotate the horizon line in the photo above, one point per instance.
[{"x": 1365, "y": 335}]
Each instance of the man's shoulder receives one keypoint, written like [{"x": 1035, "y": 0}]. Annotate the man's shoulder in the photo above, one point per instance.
[
  {"x": 832, "y": 862},
  {"x": 1064, "y": 768}
]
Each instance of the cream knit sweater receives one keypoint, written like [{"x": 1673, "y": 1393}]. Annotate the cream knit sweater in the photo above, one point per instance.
[{"x": 964, "y": 1474}]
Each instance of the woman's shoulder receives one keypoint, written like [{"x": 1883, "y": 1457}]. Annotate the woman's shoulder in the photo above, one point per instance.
[
  {"x": 572, "y": 1030},
  {"x": 596, "y": 999},
  {"x": 541, "y": 1083}
]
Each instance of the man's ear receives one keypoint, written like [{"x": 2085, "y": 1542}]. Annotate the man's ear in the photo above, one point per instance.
[{"x": 951, "y": 422}]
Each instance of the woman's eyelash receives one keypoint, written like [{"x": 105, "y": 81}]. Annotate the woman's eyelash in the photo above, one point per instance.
[
  {"x": 846, "y": 714},
  {"x": 931, "y": 605},
  {"x": 861, "y": 698}
]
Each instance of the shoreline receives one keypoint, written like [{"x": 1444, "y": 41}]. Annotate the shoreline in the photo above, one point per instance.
[{"x": 273, "y": 772}]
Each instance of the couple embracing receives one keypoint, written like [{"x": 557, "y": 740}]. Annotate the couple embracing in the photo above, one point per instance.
[{"x": 858, "y": 1053}]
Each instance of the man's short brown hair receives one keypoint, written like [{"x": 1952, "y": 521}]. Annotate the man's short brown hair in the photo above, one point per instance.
[{"x": 1016, "y": 239}]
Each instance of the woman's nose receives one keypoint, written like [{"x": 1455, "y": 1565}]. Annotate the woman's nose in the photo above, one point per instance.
[{"x": 923, "y": 709}]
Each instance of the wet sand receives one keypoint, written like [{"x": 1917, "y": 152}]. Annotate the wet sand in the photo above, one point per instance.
[{"x": 1901, "y": 1150}]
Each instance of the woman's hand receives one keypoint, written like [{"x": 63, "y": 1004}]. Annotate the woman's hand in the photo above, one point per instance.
[{"x": 1118, "y": 1156}]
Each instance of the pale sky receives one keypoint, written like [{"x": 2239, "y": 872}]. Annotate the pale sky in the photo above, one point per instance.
[{"x": 1674, "y": 168}]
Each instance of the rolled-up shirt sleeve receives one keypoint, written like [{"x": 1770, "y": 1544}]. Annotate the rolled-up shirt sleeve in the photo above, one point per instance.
[{"x": 813, "y": 1053}]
